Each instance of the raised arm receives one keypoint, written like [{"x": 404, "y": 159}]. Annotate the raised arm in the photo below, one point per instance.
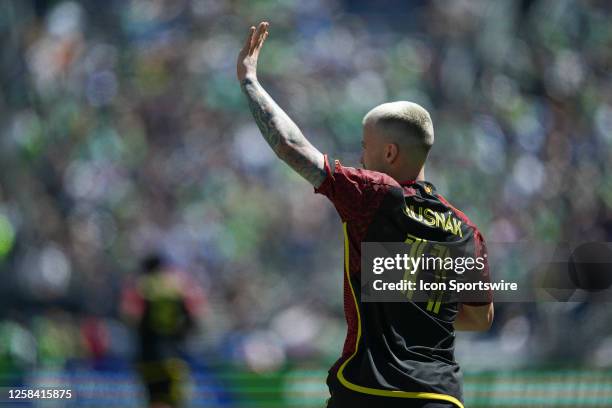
[{"x": 281, "y": 133}]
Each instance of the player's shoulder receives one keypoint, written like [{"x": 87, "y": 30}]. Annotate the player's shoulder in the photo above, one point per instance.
[
  {"x": 458, "y": 213},
  {"x": 364, "y": 176}
]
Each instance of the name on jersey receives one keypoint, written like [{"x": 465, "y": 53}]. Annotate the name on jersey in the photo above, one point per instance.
[{"x": 436, "y": 219}]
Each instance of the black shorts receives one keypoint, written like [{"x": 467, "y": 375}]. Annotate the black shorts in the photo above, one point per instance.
[
  {"x": 164, "y": 380},
  {"x": 341, "y": 397}
]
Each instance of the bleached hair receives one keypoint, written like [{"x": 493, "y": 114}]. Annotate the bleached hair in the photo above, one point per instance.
[{"x": 404, "y": 122}]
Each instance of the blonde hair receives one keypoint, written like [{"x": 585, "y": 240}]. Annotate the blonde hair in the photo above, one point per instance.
[{"x": 403, "y": 122}]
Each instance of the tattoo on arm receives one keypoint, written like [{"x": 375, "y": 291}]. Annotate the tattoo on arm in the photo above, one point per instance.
[{"x": 283, "y": 135}]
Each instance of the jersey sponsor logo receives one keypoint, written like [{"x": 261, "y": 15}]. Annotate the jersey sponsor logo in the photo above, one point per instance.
[{"x": 427, "y": 216}]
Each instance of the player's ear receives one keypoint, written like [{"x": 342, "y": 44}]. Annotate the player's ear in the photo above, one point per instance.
[{"x": 391, "y": 152}]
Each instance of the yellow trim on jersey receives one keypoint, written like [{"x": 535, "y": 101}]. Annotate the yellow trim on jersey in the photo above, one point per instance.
[{"x": 375, "y": 391}]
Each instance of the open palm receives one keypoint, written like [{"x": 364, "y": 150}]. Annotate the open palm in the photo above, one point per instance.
[{"x": 246, "y": 66}]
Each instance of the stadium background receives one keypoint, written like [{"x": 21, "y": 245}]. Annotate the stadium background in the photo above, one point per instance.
[{"x": 124, "y": 130}]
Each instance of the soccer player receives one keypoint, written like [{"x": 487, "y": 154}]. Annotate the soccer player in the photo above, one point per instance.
[
  {"x": 395, "y": 354},
  {"x": 163, "y": 304}
]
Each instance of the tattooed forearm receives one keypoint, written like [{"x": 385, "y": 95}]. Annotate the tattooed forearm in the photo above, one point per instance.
[{"x": 283, "y": 135}]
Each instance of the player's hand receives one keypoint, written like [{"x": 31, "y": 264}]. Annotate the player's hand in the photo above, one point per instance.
[{"x": 247, "y": 58}]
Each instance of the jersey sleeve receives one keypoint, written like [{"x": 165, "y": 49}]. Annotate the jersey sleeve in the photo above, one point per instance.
[
  {"x": 356, "y": 193},
  {"x": 132, "y": 303},
  {"x": 481, "y": 298}
]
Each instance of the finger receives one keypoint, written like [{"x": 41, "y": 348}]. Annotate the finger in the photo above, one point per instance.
[
  {"x": 263, "y": 35},
  {"x": 263, "y": 38},
  {"x": 258, "y": 34},
  {"x": 249, "y": 39}
]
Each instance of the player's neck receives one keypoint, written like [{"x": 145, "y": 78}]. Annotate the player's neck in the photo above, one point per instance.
[
  {"x": 421, "y": 175},
  {"x": 417, "y": 175}
]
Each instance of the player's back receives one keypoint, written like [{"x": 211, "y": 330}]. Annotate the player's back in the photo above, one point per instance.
[{"x": 396, "y": 349}]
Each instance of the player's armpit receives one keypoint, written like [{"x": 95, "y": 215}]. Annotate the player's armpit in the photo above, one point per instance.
[{"x": 474, "y": 318}]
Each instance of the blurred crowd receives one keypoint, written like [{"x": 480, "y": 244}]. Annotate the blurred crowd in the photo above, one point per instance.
[{"x": 124, "y": 131}]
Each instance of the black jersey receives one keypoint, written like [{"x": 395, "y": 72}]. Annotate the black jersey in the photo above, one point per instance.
[{"x": 395, "y": 350}]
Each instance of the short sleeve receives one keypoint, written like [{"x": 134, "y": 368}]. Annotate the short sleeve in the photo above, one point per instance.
[
  {"x": 481, "y": 298},
  {"x": 354, "y": 192}
]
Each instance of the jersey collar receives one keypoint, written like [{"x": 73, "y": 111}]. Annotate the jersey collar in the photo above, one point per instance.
[{"x": 425, "y": 185}]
